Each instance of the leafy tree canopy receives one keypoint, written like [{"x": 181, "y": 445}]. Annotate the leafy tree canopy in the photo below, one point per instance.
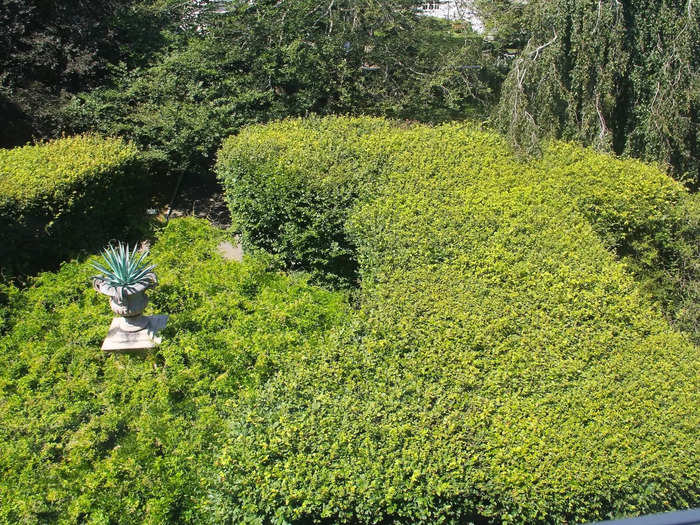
[
  {"x": 622, "y": 76},
  {"x": 51, "y": 49},
  {"x": 257, "y": 62}
]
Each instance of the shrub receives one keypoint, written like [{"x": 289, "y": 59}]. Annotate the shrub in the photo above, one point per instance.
[
  {"x": 291, "y": 184},
  {"x": 504, "y": 366},
  {"x": 649, "y": 220},
  {"x": 64, "y": 195},
  {"x": 678, "y": 283},
  {"x": 128, "y": 439},
  {"x": 299, "y": 209}
]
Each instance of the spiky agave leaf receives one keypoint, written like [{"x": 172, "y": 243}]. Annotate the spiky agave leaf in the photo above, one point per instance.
[{"x": 123, "y": 267}]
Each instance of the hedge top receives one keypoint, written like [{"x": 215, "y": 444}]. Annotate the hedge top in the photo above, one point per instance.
[
  {"x": 622, "y": 198},
  {"x": 505, "y": 366},
  {"x": 36, "y": 172}
]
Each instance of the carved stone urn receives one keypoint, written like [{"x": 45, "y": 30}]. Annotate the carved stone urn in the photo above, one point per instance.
[
  {"x": 130, "y": 330},
  {"x": 128, "y": 302}
]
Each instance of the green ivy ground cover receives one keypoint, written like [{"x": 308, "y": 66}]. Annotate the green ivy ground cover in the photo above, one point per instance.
[
  {"x": 505, "y": 365},
  {"x": 89, "y": 438}
]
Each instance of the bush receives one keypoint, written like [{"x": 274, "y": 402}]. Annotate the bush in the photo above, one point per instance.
[
  {"x": 64, "y": 195},
  {"x": 649, "y": 220},
  {"x": 177, "y": 111},
  {"x": 297, "y": 209},
  {"x": 504, "y": 366},
  {"x": 128, "y": 439}
]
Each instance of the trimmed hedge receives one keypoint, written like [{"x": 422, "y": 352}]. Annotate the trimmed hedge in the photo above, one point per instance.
[
  {"x": 648, "y": 219},
  {"x": 298, "y": 208},
  {"x": 67, "y": 194},
  {"x": 505, "y": 366},
  {"x": 291, "y": 184},
  {"x": 91, "y": 438}
]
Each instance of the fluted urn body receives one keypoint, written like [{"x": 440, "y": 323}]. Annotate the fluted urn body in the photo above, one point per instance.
[{"x": 128, "y": 302}]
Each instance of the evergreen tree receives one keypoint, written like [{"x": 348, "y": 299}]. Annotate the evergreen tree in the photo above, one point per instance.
[{"x": 620, "y": 76}]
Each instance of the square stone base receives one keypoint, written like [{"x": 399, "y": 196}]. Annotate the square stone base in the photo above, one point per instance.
[{"x": 118, "y": 340}]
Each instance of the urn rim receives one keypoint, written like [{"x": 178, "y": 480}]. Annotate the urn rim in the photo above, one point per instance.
[{"x": 123, "y": 291}]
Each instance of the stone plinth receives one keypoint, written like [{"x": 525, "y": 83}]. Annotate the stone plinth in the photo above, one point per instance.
[{"x": 119, "y": 340}]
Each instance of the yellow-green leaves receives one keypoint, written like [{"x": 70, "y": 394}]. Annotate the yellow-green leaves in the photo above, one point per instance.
[
  {"x": 63, "y": 195},
  {"x": 504, "y": 364},
  {"x": 127, "y": 439},
  {"x": 52, "y": 169}
]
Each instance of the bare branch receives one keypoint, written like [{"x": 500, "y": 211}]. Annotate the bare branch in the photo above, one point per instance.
[
  {"x": 600, "y": 9},
  {"x": 536, "y": 53},
  {"x": 330, "y": 17},
  {"x": 603, "y": 126}
]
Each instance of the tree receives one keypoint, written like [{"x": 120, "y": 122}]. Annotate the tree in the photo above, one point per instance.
[
  {"x": 52, "y": 49},
  {"x": 267, "y": 60},
  {"x": 505, "y": 21},
  {"x": 48, "y": 48},
  {"x": 620, "y": 76}
]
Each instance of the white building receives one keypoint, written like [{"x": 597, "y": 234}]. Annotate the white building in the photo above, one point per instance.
[
  {"x": 453, "y": 10},
  {"x": 461, "y": 10}
]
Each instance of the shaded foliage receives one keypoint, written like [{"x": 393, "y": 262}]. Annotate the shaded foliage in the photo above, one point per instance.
[
  {"x": 266, "y": 60},
  {"x": 49, "y": 49},
  {"x": 621, "y": 76},
  {"x": 52, "y": 49}
]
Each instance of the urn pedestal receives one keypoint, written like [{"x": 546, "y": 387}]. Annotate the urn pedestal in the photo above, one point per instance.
[{"x": 131, "y": 331}]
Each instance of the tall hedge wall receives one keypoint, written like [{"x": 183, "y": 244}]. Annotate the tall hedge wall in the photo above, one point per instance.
[
  {"x": 299, "y": 209},
  {"x": 504, "y": 366},
  {"x": 649, "y": 220},
  {"x": 290, "y": 186},
  {"x": 64, "y": 195}
]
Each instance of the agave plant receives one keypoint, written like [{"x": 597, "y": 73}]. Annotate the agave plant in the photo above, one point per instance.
[{"x": 124, "y": 268}]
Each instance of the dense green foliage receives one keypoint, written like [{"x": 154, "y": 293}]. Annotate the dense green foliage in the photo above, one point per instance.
[
  {"x": 621, "y": 76},
  {"x": 505, "y": 21},
  {"x": 125, "y": 439},
  {"x": 52, "y": 49},
  {"x": 67, "y": 194},
  {"x": 524, "y": 343},
  {"x": 298, "y": 210},
  {"x": 48, "y": 49},
  {"x": 642, "y": 215},
  {"x": 505, "y": 365},
  {"x": 262, "y": 61}
]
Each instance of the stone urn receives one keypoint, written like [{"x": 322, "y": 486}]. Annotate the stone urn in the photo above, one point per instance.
[
  {"x": 128, "y": 302},
  {"x": 125, "y": 278}
]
